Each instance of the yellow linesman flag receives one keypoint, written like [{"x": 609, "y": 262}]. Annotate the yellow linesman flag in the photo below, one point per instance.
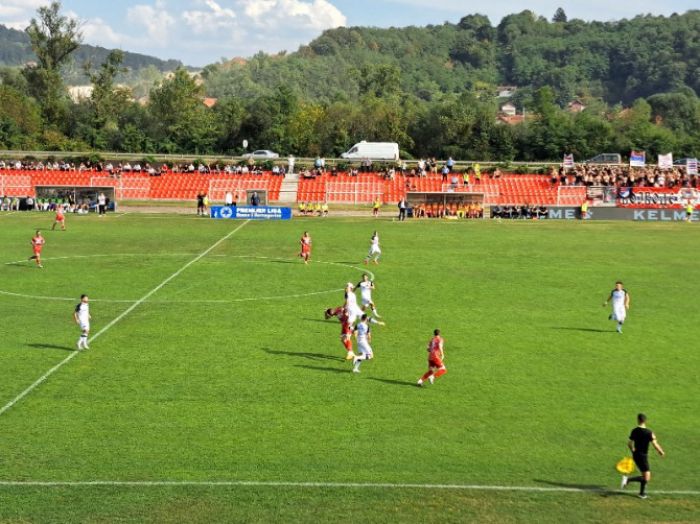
[{"x": 625, "y": 466}]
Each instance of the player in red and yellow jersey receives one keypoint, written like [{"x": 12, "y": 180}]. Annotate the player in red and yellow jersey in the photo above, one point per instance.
[
  {"x": 305, "y": 247},
  {"x": 436, "y": 355},
  {"x": 60, "y": 219},
  {"x": 37, "y": 245}
]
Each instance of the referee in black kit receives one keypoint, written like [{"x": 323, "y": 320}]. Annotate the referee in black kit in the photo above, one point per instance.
[{"x": 639, "y": 441}]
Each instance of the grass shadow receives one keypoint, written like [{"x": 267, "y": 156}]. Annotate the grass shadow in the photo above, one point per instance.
[
  {"x": 394, "y": 382},
  {"x": 327, "y": 370},
  {"x": 276, "y": 261},
  {"x": 38, "y": 345},
  {"x": 585, "y": 330},
  {"x": 592, "y": 488},
  {"x": 303, "y": 354}
]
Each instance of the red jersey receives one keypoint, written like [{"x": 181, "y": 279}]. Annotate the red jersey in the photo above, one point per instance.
[
  {"x": 305, "y": 244},
  {"x": 38, "y": 243},
  {"x": 435, "y": 348},
  {"x": 345, "y": 326}
]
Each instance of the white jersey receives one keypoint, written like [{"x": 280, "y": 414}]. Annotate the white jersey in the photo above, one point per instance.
[
  {"x": 351, "y": 302},
  {"x": 366, "y": 291},
  {"x": 351, "y": 307},
  {"x": 374, "y": 245},
  {"x": 362, "y": 330},
  {"x": 618, "y": 304},
  {"x": 82, "y": 310}
]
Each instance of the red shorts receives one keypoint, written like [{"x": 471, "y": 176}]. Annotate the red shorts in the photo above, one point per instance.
[
  {"x": 435, "y": 363},
  {"x": 305, "y": 250},
  {"x": 60, "y": 219}
]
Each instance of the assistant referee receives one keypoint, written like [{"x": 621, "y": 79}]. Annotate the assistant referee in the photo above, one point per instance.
[{"x": 639, "y": 441}]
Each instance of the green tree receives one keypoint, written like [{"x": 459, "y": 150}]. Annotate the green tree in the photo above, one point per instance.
[
  {"x": 181, "y": 122},
  {"x": 560, "y": 16},
  {"x": 53, "y": 38},
  {"x": 107, "y": 100}
]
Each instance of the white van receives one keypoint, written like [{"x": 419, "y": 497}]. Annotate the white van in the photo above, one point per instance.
[{"x": 373, "y": 151}]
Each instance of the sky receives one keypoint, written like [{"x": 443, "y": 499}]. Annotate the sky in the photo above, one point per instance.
[{"x": 200, "y": 32}]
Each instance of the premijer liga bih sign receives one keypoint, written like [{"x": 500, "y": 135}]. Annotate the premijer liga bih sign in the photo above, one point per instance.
[{"x": 251, "y": 212}]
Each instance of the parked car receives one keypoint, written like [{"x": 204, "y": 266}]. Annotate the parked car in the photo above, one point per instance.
[
  {"x": 262, "y": 153},
  {"x": 605, "y": 158},
  {"x": 373, "y": 151}
]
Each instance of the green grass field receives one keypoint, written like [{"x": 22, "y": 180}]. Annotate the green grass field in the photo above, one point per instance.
[{"x": 221, "y": 368}]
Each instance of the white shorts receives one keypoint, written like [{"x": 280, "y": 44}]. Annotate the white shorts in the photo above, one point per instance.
[
  {"x": 365, "y": 349},
  {"x": 84, "y": 326},
  {"x": 366, "y": 301},
  {"x": 373, "y": 250},
  {"x": 353, "y": 314},
  {"x": 619, "y": 314}
]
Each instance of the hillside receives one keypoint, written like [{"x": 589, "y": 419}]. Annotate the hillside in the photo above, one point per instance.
[
  {"x": 15, "y": 50},
  {"x": 613, "y": 61}
]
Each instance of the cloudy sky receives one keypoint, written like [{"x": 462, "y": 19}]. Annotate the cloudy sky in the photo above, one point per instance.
[{"x": 199, "y": 32}]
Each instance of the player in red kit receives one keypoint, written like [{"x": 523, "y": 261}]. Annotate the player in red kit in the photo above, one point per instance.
[
  {"x": 305, "y": 247},
  {"x": 346, "y": 328},
  {"x": 436, "y": 355},
  {"x": 60, "y": 219},
  {"x": 37, "y": 245}
]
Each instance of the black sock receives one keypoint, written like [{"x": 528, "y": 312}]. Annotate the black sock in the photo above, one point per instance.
[
  {"x": 635, "y": 479},
  {"x": 643, "y": 487}
]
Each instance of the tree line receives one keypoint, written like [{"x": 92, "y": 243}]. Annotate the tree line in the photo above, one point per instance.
[{"x": 432, "y": 90}]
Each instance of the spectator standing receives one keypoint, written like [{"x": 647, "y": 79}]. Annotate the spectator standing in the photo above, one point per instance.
[
  {"x": 402, "y": 210},
  {"x": 101, "y": 204}
]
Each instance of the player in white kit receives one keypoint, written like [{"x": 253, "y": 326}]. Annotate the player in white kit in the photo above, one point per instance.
[
  {"x": 81, "y": 315},
  {"x": 366, "y": 287},
  {"x": 350, "y": 305},
  {"x": 620, "y": 299},
  {"x": 364, "y": 337},
  {"x": 374, "y": 250}
]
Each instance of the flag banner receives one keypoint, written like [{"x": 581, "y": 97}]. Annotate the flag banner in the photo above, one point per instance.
[
  {"x": 638, "y": 159},
  {"x": 657, "y": 197},
  {"x": 691, "y": 166},
  {"x": 568, "y": 162},
  {"x": 666, "y": 161}
]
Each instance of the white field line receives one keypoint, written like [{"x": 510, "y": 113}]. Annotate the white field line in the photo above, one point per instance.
[
  {"x": 322, "y": 485},
  {"x": 175, "y": 301},
  {"x": 120, "y": 317},
  {"x": 7, "y": 213}
]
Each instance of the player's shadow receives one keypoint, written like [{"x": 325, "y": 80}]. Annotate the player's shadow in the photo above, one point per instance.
[
  {"x": 302, "y": 354},
  {"x": 329, "y": 321},
  {"x": 585, "y": 330},
  {"x": 393, "y": 382},
  {"x": 319, "y": 368},
  {"x": 277, "y": 261},
  {"x": 590, "y": 488},
  {"x": 39, "y": 345}
]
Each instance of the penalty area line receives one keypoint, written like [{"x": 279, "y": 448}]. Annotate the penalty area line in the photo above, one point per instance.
[
  {"x": 133, "y": 306},
  {"x": 322, "y": 485}
]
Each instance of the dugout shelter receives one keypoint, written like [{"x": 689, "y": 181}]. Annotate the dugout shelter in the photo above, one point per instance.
[{"x": 443, "y": 204}]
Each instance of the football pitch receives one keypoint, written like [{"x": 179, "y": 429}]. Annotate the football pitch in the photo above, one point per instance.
[{"x": 215, "y": 391}]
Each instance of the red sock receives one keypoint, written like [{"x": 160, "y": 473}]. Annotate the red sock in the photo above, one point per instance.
[
  {"x": 426, "y": 376},
  {"x": 348, "y": 345},
  {"x": 440, "y": 373}
]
